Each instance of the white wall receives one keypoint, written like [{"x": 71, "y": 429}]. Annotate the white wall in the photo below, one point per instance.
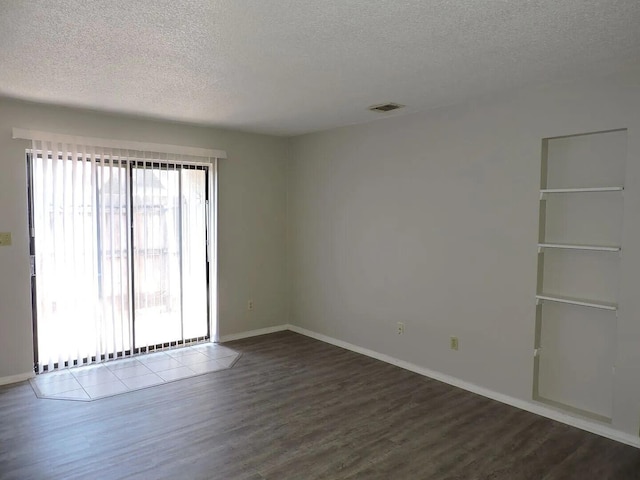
[
  {"x": 252, "y": 214},
  {"x": 432, "y": 220},
  {"x": 429, "y": 219}
]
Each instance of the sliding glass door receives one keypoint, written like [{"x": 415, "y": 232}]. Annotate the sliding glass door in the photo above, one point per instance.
[
  {"x": 169, "y": 256},
  {"x": 120, "y": 256},
  {"x": 194, "y": 213}
]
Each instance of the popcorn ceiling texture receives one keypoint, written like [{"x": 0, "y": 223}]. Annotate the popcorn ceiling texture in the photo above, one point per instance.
[{"x": 293, "y": 66}]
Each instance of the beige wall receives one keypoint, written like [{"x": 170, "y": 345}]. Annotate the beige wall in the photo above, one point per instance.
[
  {"x": 252, "y": 214},
  {"x": 432, "y": 220}
]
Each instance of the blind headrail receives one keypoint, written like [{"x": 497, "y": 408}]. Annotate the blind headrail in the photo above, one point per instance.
[{"x": 26, "y": 134}]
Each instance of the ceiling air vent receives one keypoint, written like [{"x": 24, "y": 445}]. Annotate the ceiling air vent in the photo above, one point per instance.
[{"x": 385, "y": 107}]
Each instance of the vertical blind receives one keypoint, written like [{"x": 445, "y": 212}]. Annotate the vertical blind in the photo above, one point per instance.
[{"x": 118, "y": 234}]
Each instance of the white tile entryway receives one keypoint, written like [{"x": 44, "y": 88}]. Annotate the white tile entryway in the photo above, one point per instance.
[{"x": 120, "y": 376}]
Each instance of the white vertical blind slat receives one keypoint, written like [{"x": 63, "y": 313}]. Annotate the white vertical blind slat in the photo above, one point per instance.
[
  {"x": 110, "y": 255},
  {"x": 105, "y": 344},
  {"x": 95, "y": 286},
  {"x": 145, "y": 243},
  {"x": 180, "y": 231},
  {"x": 174, "y": 199},
  {"x": 57, "y": 245},
  {"x": 212, "y": 245},
  {"x": 49, "y": 212},
  {"x": 163, "y": 174},
  {"x": 75, "y": 347},
  {"x": 83, "y": 240},
  {"x": 130, "y": 293},
  {"x": 153, "y": 263},
  {"x": 121, "y": 257}
]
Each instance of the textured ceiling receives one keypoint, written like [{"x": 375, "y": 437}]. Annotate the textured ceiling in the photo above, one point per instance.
[{"x": 292, "y": 66}]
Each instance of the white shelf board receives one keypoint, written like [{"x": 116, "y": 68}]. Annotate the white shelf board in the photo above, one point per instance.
[
  {"x": 569, "y": 246},
  {"x": 578, "y": 301},
  {"x": 581, "y": 189}
]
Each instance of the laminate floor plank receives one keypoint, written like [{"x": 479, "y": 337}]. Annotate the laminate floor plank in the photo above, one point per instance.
[{"x": 296, "y": 408}]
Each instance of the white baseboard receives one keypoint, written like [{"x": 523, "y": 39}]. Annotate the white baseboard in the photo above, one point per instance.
[
  {"x": 21, "y": 377},
  {"x": 253, "y": 333},
  {"x": 532, "y": 407}
]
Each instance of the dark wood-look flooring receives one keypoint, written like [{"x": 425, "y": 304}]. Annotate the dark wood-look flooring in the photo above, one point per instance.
[{"x": 296, "y": 408}]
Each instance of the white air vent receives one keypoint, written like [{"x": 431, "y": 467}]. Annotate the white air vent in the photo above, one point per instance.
[{"x": 385, "y": 107}]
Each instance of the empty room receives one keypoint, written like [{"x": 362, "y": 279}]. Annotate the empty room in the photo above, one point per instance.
[{"x": 345, "y": 239}]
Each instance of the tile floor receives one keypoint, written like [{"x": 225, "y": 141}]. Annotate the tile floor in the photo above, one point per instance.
[{"x": 120, "y": 376}]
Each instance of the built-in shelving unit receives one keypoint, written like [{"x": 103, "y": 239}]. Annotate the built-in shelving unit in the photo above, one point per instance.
[{"x": 579, "y": 253}]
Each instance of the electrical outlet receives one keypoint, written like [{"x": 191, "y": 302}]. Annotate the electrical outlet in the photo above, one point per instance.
[
  {"x": 453, "y": 343},
  {"x": 5, "y": 239},
  {"x": 400, "y": 328},
  {"x": 250, "y": 305}
]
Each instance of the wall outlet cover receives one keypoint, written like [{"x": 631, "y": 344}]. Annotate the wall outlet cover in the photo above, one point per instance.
[{"x": 5, "y": 239}]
